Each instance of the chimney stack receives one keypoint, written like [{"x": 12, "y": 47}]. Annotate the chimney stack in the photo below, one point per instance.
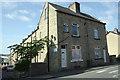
[
  {"x": 75, "y": 7},
  {"x": 115, "y": 30}
]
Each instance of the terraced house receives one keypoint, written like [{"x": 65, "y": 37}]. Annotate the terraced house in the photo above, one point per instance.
[
  {"x": 77, "y": 39},
  {"x": 113, "y": 42}
]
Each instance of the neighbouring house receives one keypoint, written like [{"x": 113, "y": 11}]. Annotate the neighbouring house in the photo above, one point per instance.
[
  {"x": 4, "y": 61},
  {"x": 77, "y": 39},
  {"x": 12, "y": 58},
  {"x": 113, "y": 42}
]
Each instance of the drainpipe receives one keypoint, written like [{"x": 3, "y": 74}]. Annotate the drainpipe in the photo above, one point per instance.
[
  {"x": 89, "y": 60},
  {"x": 31, "y": 45},
  {"x": 30, "y": 57},
  {"x": 48, "y": 61},
  {"x": 35, "y": 38}
]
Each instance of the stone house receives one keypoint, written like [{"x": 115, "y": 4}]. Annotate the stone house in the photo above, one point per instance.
[
  {"x": 4, "y": 60},
  {"x": 77, "y": 39},
  {"x": 113, "y": 42}
]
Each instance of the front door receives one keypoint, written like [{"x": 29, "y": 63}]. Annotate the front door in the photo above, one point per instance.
[
  {"x": 63, "y": 56},
  {"x": 104, "y": 52}
]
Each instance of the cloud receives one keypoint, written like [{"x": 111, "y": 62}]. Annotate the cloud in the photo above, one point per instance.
[
  {"x": 112, "y": 8},
  {"x": 24, "y": 18},
  {"x": 33, "y": 14},
  {"x": 37, "y": 13},
  {"x": 109, "y": 12},
  {"x": 23, "y": 11},
  {"x": 107, "y": 19},
  {"x": 10, "y": 16},
  {"x": 9, "y": 5},
  {"x": 86, "y": 8},
  {"x": 20, "y": 36},
  {"x": 108, "y": 4},
  {"x": 30, "y": 26},
  {"x": 16, "y": 15},
  {"x": 38, "y": 3},
  {"x": 109, "y": 15}
]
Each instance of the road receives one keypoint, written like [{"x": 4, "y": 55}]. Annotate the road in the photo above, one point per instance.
[
  {"x": 108, "y": 73},
  {"x": 102, "y": 73}
]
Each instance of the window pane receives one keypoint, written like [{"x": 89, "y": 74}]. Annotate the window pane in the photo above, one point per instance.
[
  {"x": 97, "y": 53},
  {"x": 35, "y": 38},
  {"x": 62, "y": 46},
  {"x": 95, "y": 33},
  {"x": 78, "y": 47},
  {"x": 65, "y": 29},
  {"x": 73, "y": 54},
  {"x": 76, "y": 55},
  {"x": 74, "y": 30},
  {"x": 73, "y": 47}
]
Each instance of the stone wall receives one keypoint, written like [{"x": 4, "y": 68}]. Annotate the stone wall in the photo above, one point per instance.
[
  {"x": 86, "y": 39},
  {"x": 38, "y": 69}
]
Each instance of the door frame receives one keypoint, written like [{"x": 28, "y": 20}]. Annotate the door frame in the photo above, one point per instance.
[
  {"x": 63, "y": 57},
  {"x": 105, "y": 56}
]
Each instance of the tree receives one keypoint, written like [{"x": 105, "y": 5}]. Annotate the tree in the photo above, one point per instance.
[{"x": 26, "y": 53}]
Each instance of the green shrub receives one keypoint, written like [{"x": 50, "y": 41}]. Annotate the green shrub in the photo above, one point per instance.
[{"x": 22, "y": 66}]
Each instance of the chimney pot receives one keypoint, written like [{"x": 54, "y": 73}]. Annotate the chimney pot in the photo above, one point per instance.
[{"x": 115, "y": 30}]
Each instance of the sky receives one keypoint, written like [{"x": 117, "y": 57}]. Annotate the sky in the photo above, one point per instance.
[{"x": 19, "y": 19}]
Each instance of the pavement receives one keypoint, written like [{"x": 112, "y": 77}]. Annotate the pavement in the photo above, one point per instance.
[
  {"x": 7, "y": 74},
  {"x": 94, "y": 72},
  {"x": 109, "y": 72}
]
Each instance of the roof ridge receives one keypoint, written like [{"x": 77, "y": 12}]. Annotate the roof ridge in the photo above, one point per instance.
[
  {"x": 59, "y": 6},
  {"x": 81, "y": 14}
]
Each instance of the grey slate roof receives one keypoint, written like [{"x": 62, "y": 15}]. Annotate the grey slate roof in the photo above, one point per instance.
[{"x": 68, "y": 11}]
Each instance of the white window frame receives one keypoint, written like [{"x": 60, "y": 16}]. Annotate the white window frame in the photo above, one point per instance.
[
  {"x": 35, "y": 38},
  {"x": 40, "y": 56},
  {"x": 96, "y": 33},
  {"x": 40, "y": 34},
  {"x": 46, "y": 13},
  {"x": 80, "y": 54},
  {"x": 65, "y": 26},
  {"x": 74, "y": 25},
  {"x": 97, "y": 53},
  {"x": 34, "y": 60}
]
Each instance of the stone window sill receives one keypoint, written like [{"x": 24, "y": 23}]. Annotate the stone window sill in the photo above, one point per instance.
[
  {"x": 96, "y": 38},
  {"x": 75, "y": 36},
  {"x": 98, "y": 58},
  {"x": 76, "y": 60}
]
